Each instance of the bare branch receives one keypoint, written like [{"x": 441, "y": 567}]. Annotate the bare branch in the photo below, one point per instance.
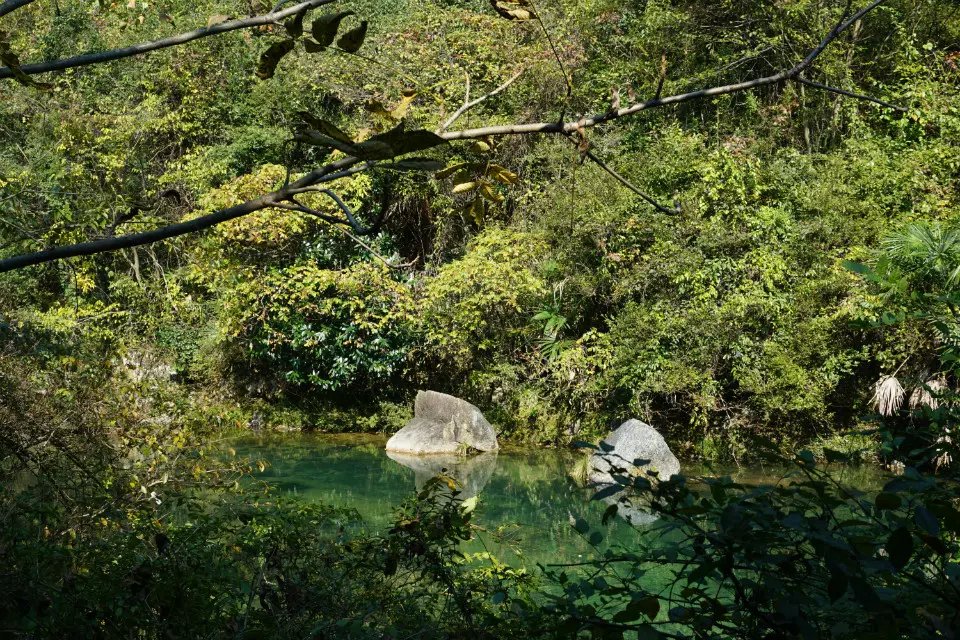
[
  {"x": 470, "y": 104},
  {"x": 9, "y": 6},
  {"x": 850, "y": 94},
  {"x": 172, "y": 41}
]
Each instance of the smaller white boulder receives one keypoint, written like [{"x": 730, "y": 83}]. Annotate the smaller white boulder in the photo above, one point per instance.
[{"x": 633, "y": 449}]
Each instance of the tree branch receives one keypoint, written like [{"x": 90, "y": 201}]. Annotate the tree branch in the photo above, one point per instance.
[
  {"x": 9, "y": 6},
  {"x": 146, "y": 47}
]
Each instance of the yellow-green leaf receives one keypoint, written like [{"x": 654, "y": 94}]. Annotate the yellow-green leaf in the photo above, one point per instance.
[{"x": 463, "y": 187}]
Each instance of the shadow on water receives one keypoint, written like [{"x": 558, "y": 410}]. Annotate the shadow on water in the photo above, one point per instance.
[{"x": 526, "y": 496}]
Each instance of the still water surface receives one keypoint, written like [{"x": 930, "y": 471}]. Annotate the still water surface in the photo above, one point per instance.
[{"x": 526, "y": 493}]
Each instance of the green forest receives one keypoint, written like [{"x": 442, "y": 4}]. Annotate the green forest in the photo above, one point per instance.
[{"x": 736, "y": 221}]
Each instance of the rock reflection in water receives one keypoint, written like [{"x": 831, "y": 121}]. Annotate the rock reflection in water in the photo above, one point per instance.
[
  {"x": 473, "y": 473},
  {"x": 632, "y": 510}
]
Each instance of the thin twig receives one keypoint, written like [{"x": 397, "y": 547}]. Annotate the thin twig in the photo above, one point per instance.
[
  {"x": 629, "y": 185},
  {"x": 470, "y": 104},
  {"x": 850, "y": 94}
]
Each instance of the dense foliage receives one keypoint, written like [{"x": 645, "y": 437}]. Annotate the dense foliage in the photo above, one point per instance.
[
  {"x": 733, "y": 317},
  {"x": 798, "y": 286}
]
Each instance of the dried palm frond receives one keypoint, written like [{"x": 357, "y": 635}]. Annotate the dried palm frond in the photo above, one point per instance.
[
  {"x": 929, "y": 394},
  {"x": 944, "y": 459},
  {"x": 887, "y": 395}
]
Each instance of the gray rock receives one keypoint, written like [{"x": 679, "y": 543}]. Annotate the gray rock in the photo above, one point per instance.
[
  {"x": 443, "y": 424},
  {"x": 472, "y": 474},
  {"x": 632, "y": 441}
]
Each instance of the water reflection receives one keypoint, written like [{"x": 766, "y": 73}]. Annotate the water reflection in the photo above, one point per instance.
[{"x": 471, "y": 473}]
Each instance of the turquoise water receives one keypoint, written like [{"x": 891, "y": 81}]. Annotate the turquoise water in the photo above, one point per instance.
[{"x": 526, "y": 496}]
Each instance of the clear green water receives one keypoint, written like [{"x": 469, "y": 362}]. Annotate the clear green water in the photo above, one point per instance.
[{"x": 530, "y": 493}]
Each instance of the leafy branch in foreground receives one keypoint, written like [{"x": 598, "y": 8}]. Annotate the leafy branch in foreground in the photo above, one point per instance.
[{"x": 365, "y": 155}]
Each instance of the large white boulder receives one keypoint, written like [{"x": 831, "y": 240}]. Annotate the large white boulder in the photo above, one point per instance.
[
  {"x": 443, "y": 424},
  {"x": 633, "y": 442}
]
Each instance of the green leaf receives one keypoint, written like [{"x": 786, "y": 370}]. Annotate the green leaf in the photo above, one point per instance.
[
  {"x": 519, "y": 10},
  {"x": 899, "y": 548},
  {"x": 611, "y": 512},
  {"x": 294, "y": 25},
  {"x": 449, "y": 171},
  {"x": 352, "y": 40},
  {"x": 271, "y": 58},
  {"x": 502, "y": 174},
  {"x": 315, "y": 137},
  {"x": 463, "y": 187},
  {"x": 837, "y": 586},
  {"x": 487, "y": 191},
  {"x": 326, "y": 128},
  {"x": 397, "y": 142},
  {"x": 324, "y": 28},
  {"x": 887, "y": 501}
]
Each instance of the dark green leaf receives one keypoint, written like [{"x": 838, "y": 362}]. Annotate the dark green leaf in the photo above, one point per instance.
[
  {"x": 837, "y": 586},
  {"x": 899, "y": 548},
  {"x": 326, "y": 128},
  {"x": 887, "y": 500},
  {"x": 397, "y": 142},
  {"x": 294, "y": 25},
  {"x": 926, "y": 521},
  {"x": 324, "y": 28},
  {"x": 352, "y": 40},
  {"x": 271, "y": 58}
]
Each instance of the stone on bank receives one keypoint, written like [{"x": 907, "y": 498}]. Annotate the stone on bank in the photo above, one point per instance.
[
  {"x": 443, "y": 424},
  {"x": 633, "y": 441}
]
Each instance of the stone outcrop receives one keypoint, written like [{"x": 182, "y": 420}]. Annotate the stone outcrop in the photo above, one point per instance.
[
  {"x": 443, "y": 424},
  {"x": 635, "y": 447}
]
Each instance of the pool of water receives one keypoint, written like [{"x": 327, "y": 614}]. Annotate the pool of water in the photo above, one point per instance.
[{"x": 528, "y": 495}]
